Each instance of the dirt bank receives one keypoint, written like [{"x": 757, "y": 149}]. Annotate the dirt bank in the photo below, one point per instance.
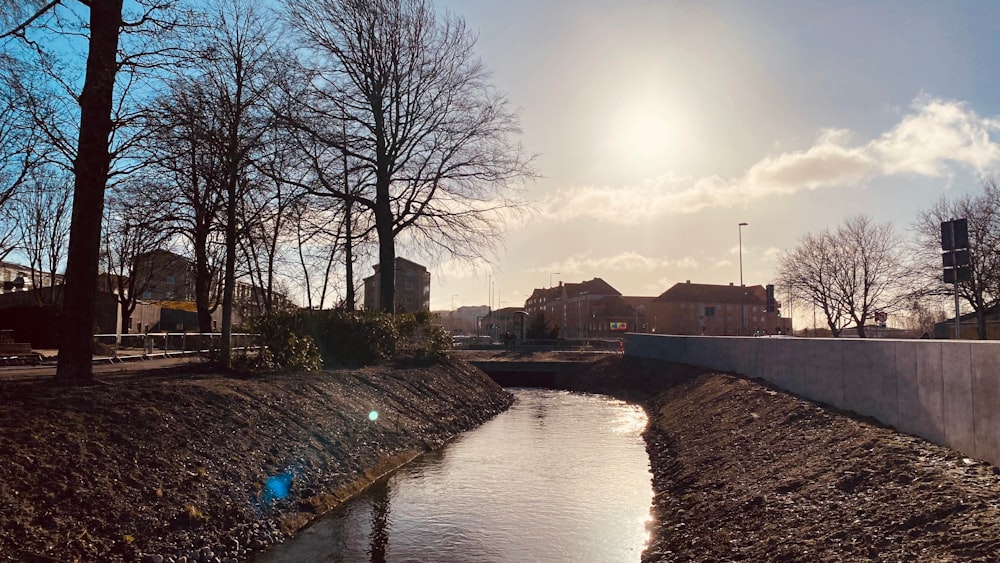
[
  {"x": 743, "y": 471},
  {"x": 189, "y": 467}
]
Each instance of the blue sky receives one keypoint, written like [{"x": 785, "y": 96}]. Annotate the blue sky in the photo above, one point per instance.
[{"x": 662, "y": 125}]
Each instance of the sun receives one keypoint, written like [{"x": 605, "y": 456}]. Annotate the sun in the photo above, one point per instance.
[{"x": 647, "y": 134}]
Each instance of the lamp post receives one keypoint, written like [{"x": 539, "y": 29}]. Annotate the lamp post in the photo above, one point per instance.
[
  {"x": 743, "y": 296},
  {"x": 741, "y": 225},
  {"x": 550, "y": 277}
]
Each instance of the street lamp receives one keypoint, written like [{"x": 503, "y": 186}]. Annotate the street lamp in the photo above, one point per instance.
[
  {"x": 550, "y": 277},
  {"x": 741, "y": 225},
  {"x": 743, "y": 322}
]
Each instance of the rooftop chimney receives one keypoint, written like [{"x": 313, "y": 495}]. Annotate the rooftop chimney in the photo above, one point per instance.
[{"x": 687, "y": 281}]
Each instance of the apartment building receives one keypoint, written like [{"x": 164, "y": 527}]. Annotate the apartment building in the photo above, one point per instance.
[
  {"x": 413, "y": 287},
  {"x": 581, "y": 310},
  {"x": 715, "y": 310}
]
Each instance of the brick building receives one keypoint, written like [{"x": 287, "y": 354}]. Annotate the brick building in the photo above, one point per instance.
[
  {"x": 413, "y": 287},
  {"x": 715, "y": 310},
  {"x": 582, "y": 310},
  {"x": 164, "y": 276}
]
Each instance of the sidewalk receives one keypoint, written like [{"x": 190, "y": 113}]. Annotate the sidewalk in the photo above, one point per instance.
[{"x": 103, "y": 366}]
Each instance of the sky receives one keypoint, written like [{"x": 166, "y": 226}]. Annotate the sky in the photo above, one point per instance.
[{"x": 659, "y": 126}]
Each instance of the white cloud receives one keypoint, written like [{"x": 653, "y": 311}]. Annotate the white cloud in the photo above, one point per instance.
[
  {"x": 939, "y": 132},
  {"x": 724, "y": 263},
  {"x": 773, "y": 253},
  {"x": 624, "y": 262},
  {"x": 935, "y": 137}
]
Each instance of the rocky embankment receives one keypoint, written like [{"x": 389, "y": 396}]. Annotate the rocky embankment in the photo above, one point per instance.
[
  {"x": 200, "y": 467},
  {"x": 746, "y": 472}
]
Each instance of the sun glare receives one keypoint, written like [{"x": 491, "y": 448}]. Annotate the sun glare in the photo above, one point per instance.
[{"x": 646, "y": 134}]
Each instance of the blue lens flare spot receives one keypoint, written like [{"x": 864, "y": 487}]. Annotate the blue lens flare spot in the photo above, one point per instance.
[
  {"x": 373, "y": 416},
  {"x": 279, "y": 486}
]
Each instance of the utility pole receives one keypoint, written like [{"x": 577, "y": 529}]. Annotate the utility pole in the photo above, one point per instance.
[{"x": 743, "y": 322}]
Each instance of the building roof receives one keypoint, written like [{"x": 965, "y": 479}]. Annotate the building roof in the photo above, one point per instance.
[
  {"x": 638, "y": 301},
  {"x": 613, "y": 306},
  {"x": 398, "y": 262},
  {"x": 707, "y": 293},
  {"x": 596, "y": 286}
]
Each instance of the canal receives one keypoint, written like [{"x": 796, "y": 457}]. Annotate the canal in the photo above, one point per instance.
[{"x": 560, "y": 476}]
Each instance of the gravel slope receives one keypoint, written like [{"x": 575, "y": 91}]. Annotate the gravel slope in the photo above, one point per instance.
[{"x": 189, "y": 467}]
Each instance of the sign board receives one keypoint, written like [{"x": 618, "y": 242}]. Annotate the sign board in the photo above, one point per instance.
[
  {"x": 955, "y": 234},
  {"x": 619, "y": 326},
  {"x": 955, "y": 244}
]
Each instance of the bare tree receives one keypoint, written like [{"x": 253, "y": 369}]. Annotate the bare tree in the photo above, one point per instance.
[
  {"x": 436, "y": 142},
  {"x": 321, "y": 240},
  {"x": 263, "y": 244},
  {"x": 133, "y": 227},
  {"x": 42, "y": 216},
  {"x": 849, "y": 274},
  {"x": 92, "y": 153},
  {"x": 982, "y": 291},
  {"x": 808, "y": 273},
  {"x": 242, "y": 78},
  {"x": 22, "y": 151},
  {"x": 871, "y": 275},
  {"x": 189, "y": 167}
]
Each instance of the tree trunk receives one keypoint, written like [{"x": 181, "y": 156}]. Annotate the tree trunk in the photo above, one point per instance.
[
  {"x": 202, "y": 283},
  {"x": 386, "y": 261},
  {"x": 386, "y": 241},
  {"x": 126, "y": 317},
  {"x": 76, "y": 351},
  {"x": 349, "y": 256},
  {"x": 226, "y": 351}
]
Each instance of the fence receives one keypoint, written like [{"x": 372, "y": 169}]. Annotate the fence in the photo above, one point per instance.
[{"x": 165, "y": 344}]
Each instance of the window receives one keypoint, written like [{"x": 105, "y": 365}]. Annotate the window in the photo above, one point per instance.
[
  {"x": 170, "y": 280},
  {"x": 409, "y": 285},
  {"x": 409, "y": 273},
  {"x": 709, "y": 311}
]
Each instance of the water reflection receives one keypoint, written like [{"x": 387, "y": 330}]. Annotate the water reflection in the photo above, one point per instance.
[
  {"x": 380, "y": 520},
  {"x": 559, "y": 477}
]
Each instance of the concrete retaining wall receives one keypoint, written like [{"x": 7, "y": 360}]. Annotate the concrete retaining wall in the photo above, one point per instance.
[{"x": 945, "y": 391}]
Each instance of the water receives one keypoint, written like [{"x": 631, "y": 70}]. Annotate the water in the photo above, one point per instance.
[{"x": 559, "y": 477}]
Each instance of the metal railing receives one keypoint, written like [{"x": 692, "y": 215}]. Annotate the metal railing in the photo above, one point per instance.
[{"x": 165, "y": 344}]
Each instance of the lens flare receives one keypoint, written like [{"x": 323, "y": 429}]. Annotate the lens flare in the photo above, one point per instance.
[
  {"x": 373, "y": 416},
  {"x": 278, "y": 486}
]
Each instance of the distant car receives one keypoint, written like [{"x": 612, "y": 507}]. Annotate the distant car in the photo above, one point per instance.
[{"x": 465, "y": 342}]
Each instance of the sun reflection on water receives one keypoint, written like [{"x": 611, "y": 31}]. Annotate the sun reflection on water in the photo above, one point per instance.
[{"x": 631, "y": 421}]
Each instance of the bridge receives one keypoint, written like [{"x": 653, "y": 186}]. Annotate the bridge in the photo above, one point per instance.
[{"x": 531, "y": 368}]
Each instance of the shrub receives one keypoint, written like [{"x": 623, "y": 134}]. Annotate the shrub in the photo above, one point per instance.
[
  {"x": 348, "y": 338},
  {"x": 420, "y": 339}
]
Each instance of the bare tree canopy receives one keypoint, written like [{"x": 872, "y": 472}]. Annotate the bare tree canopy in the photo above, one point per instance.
[
  {"x": 982, "y": 211},
  {"x": 849, "y": 274},
  {"x": 134, "y": 226},
  {"x": 94, "y": 98},
  {"x": 434, "y": 143}
]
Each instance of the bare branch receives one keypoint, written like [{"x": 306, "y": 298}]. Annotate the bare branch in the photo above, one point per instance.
[{"x": 19, "y": 30}]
